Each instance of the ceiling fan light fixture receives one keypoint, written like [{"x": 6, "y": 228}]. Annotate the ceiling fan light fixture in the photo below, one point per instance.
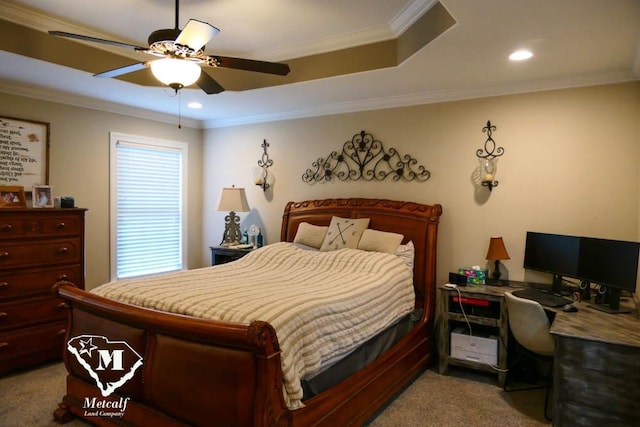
[{"x": 175, "y": 73}]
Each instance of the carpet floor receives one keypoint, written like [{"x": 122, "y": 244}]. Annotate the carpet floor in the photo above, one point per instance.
[{"x": 28, "y": 399}]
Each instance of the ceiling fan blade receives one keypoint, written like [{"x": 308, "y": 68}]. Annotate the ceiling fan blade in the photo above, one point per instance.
[
  {"x": 96, "y": 40},
  {"x": 196, "y": 34},
  {"x": 250, "y": 65},
  {"x": 123, "y": 70},
  {"x": 208, "y": 84}
]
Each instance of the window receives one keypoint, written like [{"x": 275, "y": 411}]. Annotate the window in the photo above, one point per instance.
[{"x": 148, "y": 200}]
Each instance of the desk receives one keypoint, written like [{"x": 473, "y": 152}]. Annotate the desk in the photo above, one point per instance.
[
  {"x": 596, "y": 365},
  {"x": 596, "y": 368}
]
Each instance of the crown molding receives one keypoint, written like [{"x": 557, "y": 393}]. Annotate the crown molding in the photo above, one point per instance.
[
  {"x": 396, "y": 26},
  {"x": 408, "y": 100},
  {"x": 424, "y": 98},
  {"x": 409, "y": 15},
  {"x": 37, "y": 20},
  {"x": 62, "y": 97}
]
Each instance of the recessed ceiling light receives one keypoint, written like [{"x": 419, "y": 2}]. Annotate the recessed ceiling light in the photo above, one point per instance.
[
  {"x": 194, "y": 105},
  {"x": 520, "y": 55}
]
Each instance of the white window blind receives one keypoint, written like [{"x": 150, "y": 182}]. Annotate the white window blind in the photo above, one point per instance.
[{"x": 148, "y": 208}]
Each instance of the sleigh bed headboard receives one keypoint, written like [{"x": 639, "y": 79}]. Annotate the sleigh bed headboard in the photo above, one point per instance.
[{"x": 417, "y": 222}]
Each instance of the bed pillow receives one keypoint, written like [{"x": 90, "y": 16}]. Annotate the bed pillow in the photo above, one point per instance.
[
  {"x": 380, "y": 241},
  {"x": 310, "y": 235},
  {"x": 407, "y": 253},
  {"x": 344, "y": 233}
]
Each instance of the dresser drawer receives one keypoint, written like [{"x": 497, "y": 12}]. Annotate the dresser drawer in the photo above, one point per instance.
[
  {"x": 59, "y": 251},
  {"x": 30, "y": 282},
  {"x": 43, "y": 225},
  {"x": 27, "y": 347},
  {"x": 24, "y": 313}
]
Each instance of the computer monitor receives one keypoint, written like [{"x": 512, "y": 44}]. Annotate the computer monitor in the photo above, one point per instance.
[
  {"x": 552, "y": 253},
  {"x": 613, "y": 265}
]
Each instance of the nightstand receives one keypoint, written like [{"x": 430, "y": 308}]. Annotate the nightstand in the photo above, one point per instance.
[{"x": 223, "y": 254}]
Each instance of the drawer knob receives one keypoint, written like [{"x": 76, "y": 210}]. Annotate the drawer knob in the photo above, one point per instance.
[
  {"x": 62, "y": 305},
  {"x": 60, "y": 225},
  {"x": 4, "y": 254},
  {"x": 3, "y": 315},
  {"x": 7, "y": 227},
  {"x": 61, "y": 332},
  {"x": 63, "y": 277},
  {"x": 63, "y": 250},
  {"x": 4, "y": 344},
  {"x": 4, "y": 285}
]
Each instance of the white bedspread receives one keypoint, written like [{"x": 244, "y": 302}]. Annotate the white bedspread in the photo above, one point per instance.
[{"x": 322, "y": 304}]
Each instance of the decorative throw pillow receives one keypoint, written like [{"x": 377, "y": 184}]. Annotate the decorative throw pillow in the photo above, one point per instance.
[
  {"x": 344, "y": 233},
  {"x": 310, "y": 235},
  {"x": 380, "y": 241},
  {"x": 407, "y": 253}
]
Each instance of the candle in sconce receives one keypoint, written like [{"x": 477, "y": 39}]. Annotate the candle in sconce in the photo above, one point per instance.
[
  {"x": 488, "y": 177},
  {"x": 259, "y": 181}
]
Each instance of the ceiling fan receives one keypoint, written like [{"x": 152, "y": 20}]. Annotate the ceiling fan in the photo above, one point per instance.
[{"x": 182, "y": 53}]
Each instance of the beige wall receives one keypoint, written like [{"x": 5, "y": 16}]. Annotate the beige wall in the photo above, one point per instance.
[
  {"x": 570, "y": 166},
  {"x": 79, "y": 167}
]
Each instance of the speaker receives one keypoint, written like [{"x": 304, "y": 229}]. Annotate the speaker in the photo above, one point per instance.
[{"x": 458, "y": 279}]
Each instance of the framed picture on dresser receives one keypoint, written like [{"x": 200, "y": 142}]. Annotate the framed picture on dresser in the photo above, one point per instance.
[
  {"x": 42, "y": 196},
  {"x": 25, "y": 144},
  {"x": 12, "y": 197}
]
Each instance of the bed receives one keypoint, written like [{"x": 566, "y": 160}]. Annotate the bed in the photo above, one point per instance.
[{"x": 198, "y": 371}]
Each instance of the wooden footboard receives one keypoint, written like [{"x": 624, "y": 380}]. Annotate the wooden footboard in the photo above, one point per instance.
[
  {"x": 199, "y": 372},
  {"x": 195, "y": 371}
]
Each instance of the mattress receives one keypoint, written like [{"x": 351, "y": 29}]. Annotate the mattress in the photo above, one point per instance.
[{"x": 322, "y": 305}]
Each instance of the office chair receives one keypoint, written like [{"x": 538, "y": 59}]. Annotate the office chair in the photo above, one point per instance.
[{"x": 529, "y": 325}]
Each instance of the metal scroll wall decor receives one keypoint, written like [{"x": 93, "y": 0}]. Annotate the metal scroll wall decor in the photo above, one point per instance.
[{"x": 365, "y": 158}]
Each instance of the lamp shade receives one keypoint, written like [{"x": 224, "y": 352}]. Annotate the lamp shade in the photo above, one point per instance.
[
  {"x": 233, "y": 200},
  {"x": 175, "y": 72},
  {"x": 497, "y": 251}
]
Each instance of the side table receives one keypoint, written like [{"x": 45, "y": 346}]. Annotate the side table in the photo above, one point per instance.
[{"x": 223, "y": 254}]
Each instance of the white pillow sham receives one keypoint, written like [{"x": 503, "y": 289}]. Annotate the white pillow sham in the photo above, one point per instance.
[
  {"x": 310, "y": 235},
  {"x": 407, "y": 253},
  {"x": 380, "y": 241}
]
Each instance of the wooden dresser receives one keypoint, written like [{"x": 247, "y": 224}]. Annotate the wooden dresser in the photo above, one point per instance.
[{"x": 37, "y": 248}]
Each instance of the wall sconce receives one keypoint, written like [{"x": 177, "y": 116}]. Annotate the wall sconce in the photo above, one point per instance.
[
  {"x": 497, "y": 252},
  {"x": 232, "y": 200},
  {"x": 260, "y": 174},
  {"x": 488, "y": 158}
]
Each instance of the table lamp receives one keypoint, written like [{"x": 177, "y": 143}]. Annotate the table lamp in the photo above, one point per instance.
[
  {"x": 497, "y": 252},
  {"x": 232, "y": 200}
]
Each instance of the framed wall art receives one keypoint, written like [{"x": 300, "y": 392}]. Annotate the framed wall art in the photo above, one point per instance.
[
  {"x": 41, "y": 196},
  {"x": 12, "y": 196},
  {"x": 24, "y": 152}
]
